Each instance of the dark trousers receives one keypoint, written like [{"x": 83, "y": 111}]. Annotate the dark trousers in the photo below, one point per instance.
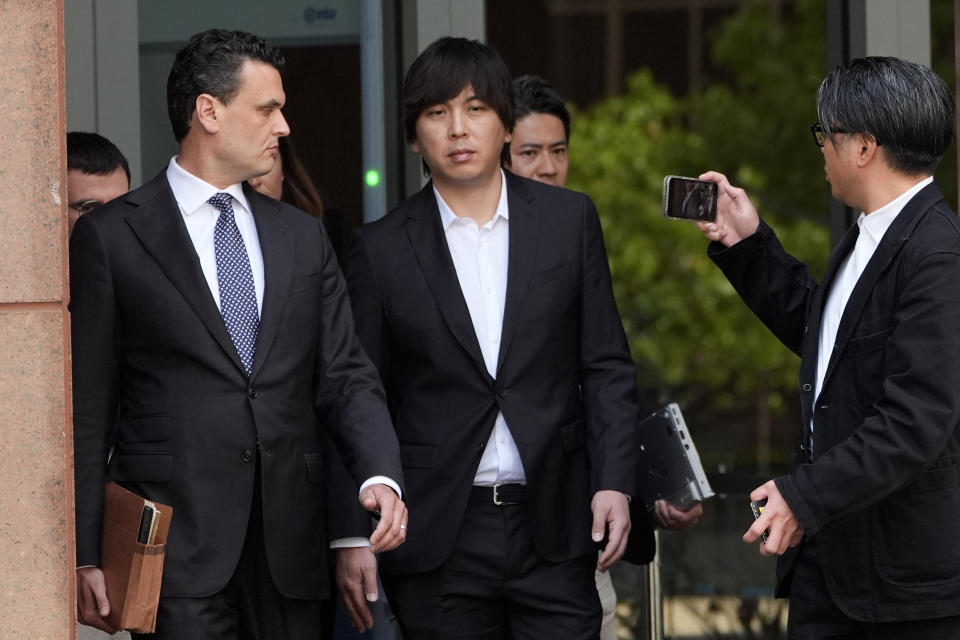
[
  {"x": 249, "y": 607},
  {"x": 495, "y": 586},
  {"x": 814, "y": 616}
]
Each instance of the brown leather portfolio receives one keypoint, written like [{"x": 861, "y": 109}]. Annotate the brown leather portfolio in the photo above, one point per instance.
[{"x": 134, "y": 540}]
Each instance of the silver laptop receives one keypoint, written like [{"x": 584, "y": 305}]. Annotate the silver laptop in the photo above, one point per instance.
[{"x": 668, "y": 464}]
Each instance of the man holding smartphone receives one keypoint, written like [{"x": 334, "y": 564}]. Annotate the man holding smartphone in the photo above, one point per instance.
[{"x": 867, "y": 523}]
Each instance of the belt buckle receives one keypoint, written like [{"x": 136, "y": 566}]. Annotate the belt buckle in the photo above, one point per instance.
[{"x": 496, "y": 494}]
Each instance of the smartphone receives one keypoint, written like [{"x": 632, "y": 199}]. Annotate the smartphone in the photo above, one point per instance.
[
  {"x": 146, "y": 523},
  {"x": 757, "y": 507},
  {"x": 689, "y": 199}
]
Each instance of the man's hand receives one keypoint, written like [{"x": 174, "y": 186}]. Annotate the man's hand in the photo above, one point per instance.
[
  {"x": 783, "y": 529},
  {"x": 611, "y": 514},
  {"x": 92, "y": 604},
  {"x": 357, "y": 580},
  {"x": 671, "y": 517},
  {"x": 392, "y": 530},
  {"x": 736, "y": 216}
]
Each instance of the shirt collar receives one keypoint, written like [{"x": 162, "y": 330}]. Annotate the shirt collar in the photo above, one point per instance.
[
  {"x": 877, "y": 223},
  {"x": 447, "y": 216},
  {"x": 191, "y": 193}
]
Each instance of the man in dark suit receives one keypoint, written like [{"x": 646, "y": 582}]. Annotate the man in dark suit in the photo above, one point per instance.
[
  {"x": 485, "y": 302},
  {"x": 538, "y": 150},
  {"x": 867, "y": 524},
  {"x": 214, "y": 351}
]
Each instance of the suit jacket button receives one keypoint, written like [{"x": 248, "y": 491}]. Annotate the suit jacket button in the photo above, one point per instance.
[
  {"x": 252, "y": 393},
  {"x": 502, "y": 393},
  {"x": 806, "y": 386},
  {"x": 247, "y": 455}
]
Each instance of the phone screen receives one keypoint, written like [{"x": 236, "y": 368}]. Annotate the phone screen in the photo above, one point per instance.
[{"x": 689, "y": 199}]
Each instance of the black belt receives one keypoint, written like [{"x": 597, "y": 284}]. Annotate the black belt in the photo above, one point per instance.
[{"x": 499, "y": 494}]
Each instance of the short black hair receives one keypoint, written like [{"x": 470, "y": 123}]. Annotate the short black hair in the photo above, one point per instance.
[
  {"x": 533, "y": 94},
  {"x": 904, "y": 105},
  {"x": 92, "y": 153},
  {"x": 210, "y": 63},
  {"x": 447, "y": 67}
]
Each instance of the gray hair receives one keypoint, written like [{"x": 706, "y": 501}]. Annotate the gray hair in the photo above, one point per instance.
[{"x": 904, "y": 106}]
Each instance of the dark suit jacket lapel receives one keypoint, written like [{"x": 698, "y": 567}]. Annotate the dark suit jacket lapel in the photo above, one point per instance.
[
  {"x": 276, "y": 246},
  {"x": 524, "y": 240},
  {"x": 425, "y": 232},
  {"x": 890, "y": 245},
  {"x": 158, "y": 224},
  {"x": 808, "y": 364}
]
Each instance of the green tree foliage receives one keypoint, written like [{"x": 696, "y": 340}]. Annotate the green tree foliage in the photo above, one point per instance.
[{"x": 694, "y": 339}]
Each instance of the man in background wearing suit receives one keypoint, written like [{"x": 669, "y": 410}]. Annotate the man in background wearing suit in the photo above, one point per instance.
[
  {"x": 539, "y": 148},
  {"x": 97, "y": 172},
  {"x": 485, "y": 302},
  {"x": 214, "y": 350},
  {"x": 867, "y": 524}
]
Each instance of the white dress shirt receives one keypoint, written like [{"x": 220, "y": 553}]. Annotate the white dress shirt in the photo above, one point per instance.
[
  {"x": 480, "y": 259},
  {"x": 191, "y": 194},
  {"x": 872, "y": 227}
]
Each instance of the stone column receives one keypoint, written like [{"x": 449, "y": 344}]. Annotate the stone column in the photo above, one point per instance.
[{"x": 36, "y": 468}]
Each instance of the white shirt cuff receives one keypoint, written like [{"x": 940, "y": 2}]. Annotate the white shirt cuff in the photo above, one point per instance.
[
  {"x": 344, "y": 543},
  {"x": 385, "y": 481},
  {"x": 360, "y": 541}
]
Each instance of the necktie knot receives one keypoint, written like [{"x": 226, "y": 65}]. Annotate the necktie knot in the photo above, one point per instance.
[{"x": 222, "y": 202}]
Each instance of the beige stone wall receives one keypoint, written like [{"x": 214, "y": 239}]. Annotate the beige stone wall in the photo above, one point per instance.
[{"x": 36, "y": 478}]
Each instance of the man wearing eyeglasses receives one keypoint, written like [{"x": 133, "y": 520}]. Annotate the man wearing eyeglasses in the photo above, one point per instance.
[
  {"x": 867, "y": 525},
  {"x": 96, "y": 173}
]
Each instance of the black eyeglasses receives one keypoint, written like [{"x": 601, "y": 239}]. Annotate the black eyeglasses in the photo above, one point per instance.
[
  {"x": 820, "y": 136},
  {"x": 85, "y": 206}
]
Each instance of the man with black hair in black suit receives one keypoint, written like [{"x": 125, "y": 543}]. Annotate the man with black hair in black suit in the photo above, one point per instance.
[{"x": 214, "y": 352}]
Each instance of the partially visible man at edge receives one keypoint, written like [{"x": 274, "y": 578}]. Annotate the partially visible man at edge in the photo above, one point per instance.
[
  {"x": 212, "y": 336},
  {"x": 867, "y": 524},
  {"x": 539, "y": 150},
  {"x": 96, "y": 173}
]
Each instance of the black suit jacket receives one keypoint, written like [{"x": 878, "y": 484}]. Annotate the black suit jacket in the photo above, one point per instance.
[
  {"x": 157, "y": 378},
  {"x": 565, "y": 381},
  {"x": 882, "y": 494}
]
